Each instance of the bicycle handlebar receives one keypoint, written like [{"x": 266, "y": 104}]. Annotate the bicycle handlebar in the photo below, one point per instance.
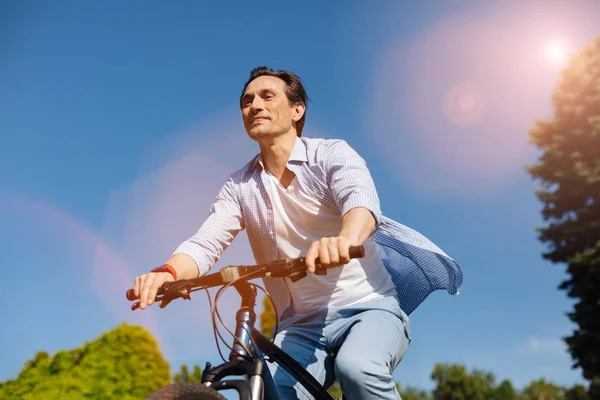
[{"x": 294, "y": 268}]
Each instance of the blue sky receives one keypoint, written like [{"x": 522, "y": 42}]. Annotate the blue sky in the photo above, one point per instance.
[{"x": 119, "y": 123}]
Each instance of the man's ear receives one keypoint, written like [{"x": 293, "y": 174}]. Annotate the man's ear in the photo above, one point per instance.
[{"x": 298, "y": 111}]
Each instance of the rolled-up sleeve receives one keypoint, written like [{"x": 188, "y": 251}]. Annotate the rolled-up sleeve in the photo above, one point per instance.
[
  {"x": 350, "y": 180},
  {"x": 218, "y": 230}
]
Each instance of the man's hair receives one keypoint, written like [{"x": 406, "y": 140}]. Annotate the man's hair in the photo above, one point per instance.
[{"x": 294, "y": 89}]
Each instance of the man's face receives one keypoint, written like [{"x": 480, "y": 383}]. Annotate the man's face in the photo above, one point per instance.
[{"x": 266, "y": 110}]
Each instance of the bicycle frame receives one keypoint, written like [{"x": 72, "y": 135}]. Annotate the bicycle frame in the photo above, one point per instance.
[{"x": 260, "y": 384}]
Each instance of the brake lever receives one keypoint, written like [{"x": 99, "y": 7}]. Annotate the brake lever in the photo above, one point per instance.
[
  {"x": 173, "y": 290},
  {"x": 294, "y": 268},
  {"x": 320, "y": 269},
  {"x": 297, "y": 276},
  {"x": 165, "y": 302},
  {"x": 299, "y": 270}
]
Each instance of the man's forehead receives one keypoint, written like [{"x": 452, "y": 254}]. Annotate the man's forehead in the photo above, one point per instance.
[{"x": 265, "y": 82}]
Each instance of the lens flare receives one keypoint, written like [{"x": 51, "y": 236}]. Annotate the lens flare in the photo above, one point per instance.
[
  {"x": 463, "y": 105},
  {"x": 555, "y": 53},
  {"x": 109, "y": 277}
]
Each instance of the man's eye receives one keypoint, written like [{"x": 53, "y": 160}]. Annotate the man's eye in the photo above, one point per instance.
[{"x": 269, "y": 96}]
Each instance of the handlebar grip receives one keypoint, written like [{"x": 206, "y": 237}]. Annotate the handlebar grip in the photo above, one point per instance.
[
  {"x": 353, "y": 251},
  {"x": 357, "y": 251},
  {"x": 130, "y": 295}
]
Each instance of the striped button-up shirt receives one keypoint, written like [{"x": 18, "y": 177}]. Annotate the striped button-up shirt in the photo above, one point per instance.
[{"x": 334, "y": 174}]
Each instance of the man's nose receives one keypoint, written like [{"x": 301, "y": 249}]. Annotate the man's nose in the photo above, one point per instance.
[{"x": 257, "y": 103}]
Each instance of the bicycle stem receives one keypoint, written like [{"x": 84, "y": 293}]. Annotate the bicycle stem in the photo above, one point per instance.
[{"x": 245, "y": 319}]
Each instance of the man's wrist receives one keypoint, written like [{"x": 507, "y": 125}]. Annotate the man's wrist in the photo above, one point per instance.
[
  {"x": 166, "y": 268},
  {"x": 351, "y": 240}
]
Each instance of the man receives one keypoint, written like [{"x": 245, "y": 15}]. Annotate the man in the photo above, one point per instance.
[{"x": 316, "y": 197}]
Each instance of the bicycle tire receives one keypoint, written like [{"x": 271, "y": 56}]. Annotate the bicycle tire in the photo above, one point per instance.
[{"x": 186, "y": 391}]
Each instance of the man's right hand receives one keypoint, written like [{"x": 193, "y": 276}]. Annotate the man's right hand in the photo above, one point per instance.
[{"x": 146, "y": 286}]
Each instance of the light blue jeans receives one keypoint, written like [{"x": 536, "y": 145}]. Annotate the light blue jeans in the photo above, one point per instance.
[{"x": 360, "y": 345}]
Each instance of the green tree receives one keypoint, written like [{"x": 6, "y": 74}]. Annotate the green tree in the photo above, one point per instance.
[
  {"x": 577, "y": 392},
  {"x": 595, "y": 388},
  {"x": 267, "y": 318},
  {"x": 569, "y": 171},
  {"x": 453, "y": 382},
  {"x": 124, "y": 363},
  {"x": 335, "y": 390},
  {"x": 411, "y": 393},
  {"x": 504, "y": 391},
  {"x": 184, "y": 375},
  {"x": 197, "y": 375},
  {"x": 541, "y": 390}
]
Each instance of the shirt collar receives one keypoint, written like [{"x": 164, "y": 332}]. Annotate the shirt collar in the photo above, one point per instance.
[{"x": 298, "y": 154}]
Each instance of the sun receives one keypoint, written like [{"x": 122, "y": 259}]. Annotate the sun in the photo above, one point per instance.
[{"x": 555, "y": 52}]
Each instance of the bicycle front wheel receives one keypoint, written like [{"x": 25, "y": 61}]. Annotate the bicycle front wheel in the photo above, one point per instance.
[{"x": 186, "y": 391}]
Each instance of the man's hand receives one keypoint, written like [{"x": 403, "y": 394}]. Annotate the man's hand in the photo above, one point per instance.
[
  {"x": 332, "y": 252},
  {"x": 146, "y": 286}
]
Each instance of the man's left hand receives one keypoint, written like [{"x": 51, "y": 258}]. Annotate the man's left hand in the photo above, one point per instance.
[{"x": 331, "y": 251}]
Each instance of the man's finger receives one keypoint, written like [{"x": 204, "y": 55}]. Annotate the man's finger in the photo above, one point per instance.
[
  {"x": 344, "y": 251},
  {"x": 156, "y": 284},
  {"x": 145, "y": 289},
  {"x": 136, "y": 287},
  {"x": 334, "y": 256},
  {"x": 143, "y": 280},
  {"x": 310, "y": 257},
  {"x": 324, "y": 254}
]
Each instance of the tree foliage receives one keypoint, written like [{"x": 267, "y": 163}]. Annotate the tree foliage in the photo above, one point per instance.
[
  {"x": 504, "y": 391},
  {"x": 412, "y": 393},
  {"x": 184, "y": 374},
  {"x": 569, "y": 171},
  {"x": 577, "y": 392},
  {"x": 454, "y": 382},
  {"x": 124, "y": 363},
  {"x": 541, "y": 389},
  {"x": 267, "y": 318}
]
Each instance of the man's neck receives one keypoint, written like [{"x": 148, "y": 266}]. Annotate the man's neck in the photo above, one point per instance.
[{"x": 275, "y": 153}]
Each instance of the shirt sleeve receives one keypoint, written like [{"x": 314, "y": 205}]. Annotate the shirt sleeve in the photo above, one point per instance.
[
  {"x": 350, "y": 180},
  {"x": 218, "y": 230}
]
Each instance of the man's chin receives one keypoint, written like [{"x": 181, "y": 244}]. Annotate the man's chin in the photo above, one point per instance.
[{"x": 259, "y": 133}]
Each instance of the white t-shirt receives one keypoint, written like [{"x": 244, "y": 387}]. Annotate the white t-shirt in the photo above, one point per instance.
[{"x": 299, "y": 221}]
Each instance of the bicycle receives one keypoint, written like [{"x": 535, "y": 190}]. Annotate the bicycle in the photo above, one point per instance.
[{"x": 251, "y": 349}]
